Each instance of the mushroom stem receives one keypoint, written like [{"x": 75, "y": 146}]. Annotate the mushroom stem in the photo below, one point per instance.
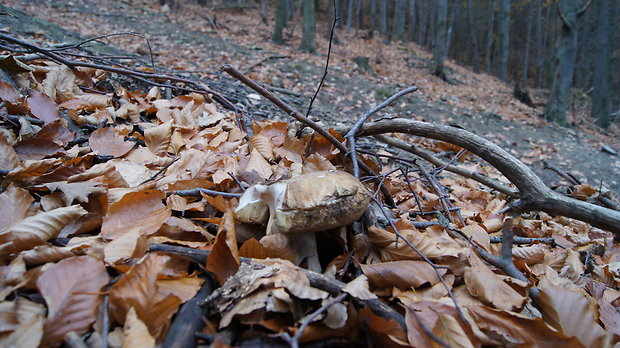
[{"x": 303, "y": 246}]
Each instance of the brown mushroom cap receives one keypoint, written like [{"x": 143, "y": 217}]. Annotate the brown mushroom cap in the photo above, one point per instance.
[{"x": 320, "y": 201}]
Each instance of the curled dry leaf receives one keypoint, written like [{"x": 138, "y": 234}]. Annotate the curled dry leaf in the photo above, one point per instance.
[
  {"x": 37, "y": 229},
  {"x": 489, "y": 287},
  {"x": 138, "y": 289},
  {"x": 71, "y": 289},
  {"x": 384, "y": 242},
  {"x": 263, "y": 145},
  {"x": 42, "y": 107},
  {"x": 158, "y": 138},
  {"x": 24, "y": 328},
  {"x": 136, "y": 334},
  {"x": 401, "y": 274},
  {"x": 142, "y": 209},
  {"x": 14, "y": 205},
  {"x": 108, "y": 142},
  {"x": 571, "y": 312}
]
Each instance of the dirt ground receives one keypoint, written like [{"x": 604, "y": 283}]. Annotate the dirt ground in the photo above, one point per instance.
[{"x": 183, "y": 41}]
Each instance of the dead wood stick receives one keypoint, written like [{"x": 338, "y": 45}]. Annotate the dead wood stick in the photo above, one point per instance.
[
  {"x": 535, "y": 195},
  {"x": 494, "y": 184},
  {"x": 442, "y": 198},
  {"x": 317, "y": 280},
  {"x": 197, "y": 193},
  {"x": 189, "y": 320},
  {"x": 566, "y": 175},
  {"x": 303, "y": 119}
]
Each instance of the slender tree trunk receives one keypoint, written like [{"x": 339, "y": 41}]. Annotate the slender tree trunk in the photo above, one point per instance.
[
  {"x": 503, "y": 29},
  {"x": 441, "y": 29},
  {"x": 528, "y": 37},
  {"x": 383, "y": 15},
  {"x": 540, "y": 56},
  {"x": 489, "y": 47},
  {"x": 422, "y": 22},
  {"x": 288, "y": 10},
  {"x": 358, "y": 16},
  {"x": 412, "y": 21},
  {"x": 454, "y": 10},
  {"x": 398, "y": 26},
  {"x": 349, "y": 14},
  {"x": 564, "y": 66},
  {"x": 601, "y": 97},
  {"x": 307, "y": 41},
  {"x": 474, "y": 50},
  {"x": 280, "y": 17},
  {"x": 550, "y": 35},
  {"x": 373, "y": 16}
]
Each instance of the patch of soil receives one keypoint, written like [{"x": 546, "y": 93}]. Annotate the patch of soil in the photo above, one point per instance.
[{"x": 184, "y": 41}]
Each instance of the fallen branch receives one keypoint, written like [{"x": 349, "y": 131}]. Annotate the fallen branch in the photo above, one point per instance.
[{"x": 534, "y": 194}]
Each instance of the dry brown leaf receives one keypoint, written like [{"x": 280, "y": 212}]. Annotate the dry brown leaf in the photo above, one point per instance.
[
  {"x": 38, "y": 229},
  {"x": 258, "y": 164},
  {"x": 29, "y": 170},
  {"x": 478, "y": 235},
  {"x": 358, "y": 288},
  {"x": 8, "y": 93},
  {"x": 108, "y": 142},
  {"x": 450, "y": 331},
  {"x": 263, "y": 145},
  {"x": 59, "y": 84},
  {"x": 157, "y": 139},
  {"x": 142, "y": 209},
  {"x": 513, "y": 329},
  {"x": 385, "y": 243},
  {"x": 572, "y": 313},
  {"x": 138, "y": 288},
  {"x": 401, "y": 274},
  {"x": 224, "y": 258},
  {"x": 14, "y": 205},
  {"x": 106, "y": 170},
  {"x": 389, "y": 331},
  {"x": 136, "y": 334},
  {"x": 531, "y": 254},
  {"x": 71, "y": 288},
  {"x": 489, "y": 287},
  {"x": 29, "y": 332},
  {"x": 45, "y": 253},
  {"x": 183, "y": 288},
  {"x": 129, "y": 245},
  {"x": 8, "y": 157}
]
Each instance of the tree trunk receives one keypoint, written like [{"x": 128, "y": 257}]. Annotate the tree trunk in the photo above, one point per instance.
[
  {"x": 540, "y": 56},
  {"x": 503, "y": 29},
  {"x": 412, "y": 21},
  {"x": 422, "y": 22},
  {"x": 288, "y": 10},
  {"x": 474, "y": 50},
  {"x": 489, "y": 48},
  {"x": 564, "y": 63},
  {"x": 398, "y": 26},
  {"x": 280, "y": 18},
  {"x": 528, "y": 36},
  {"x": 601, "y": 97},
  {"x": 309, "y": 29},
  {"x": 358, "y": 16},
  {"x": 439, "y": 49},
  {"x": 349, "y": 14},
  {"x": 373, "y": 16},
  {"x": 383, "y": 14}
]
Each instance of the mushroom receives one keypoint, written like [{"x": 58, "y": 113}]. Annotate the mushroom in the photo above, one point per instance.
[{"x": 303, "y": 205}]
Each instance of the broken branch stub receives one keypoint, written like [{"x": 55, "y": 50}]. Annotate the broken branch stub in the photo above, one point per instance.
[{"x": 303, "y": 205}]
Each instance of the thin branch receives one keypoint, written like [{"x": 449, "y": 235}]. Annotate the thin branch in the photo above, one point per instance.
[
  {"x": 329, "y": 52},
  {"x": 197, "y": 193},
  {"x": 435, "y": 187}
]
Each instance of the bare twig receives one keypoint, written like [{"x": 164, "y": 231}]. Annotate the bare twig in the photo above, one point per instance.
[
  {"x": 494, "y": 184},
  {"x": 350, "y": 136},
  {"x": 196, "y": 193},
  {"x": 160, "y": 171},
  {"x": 294, "y": 341},
  {"x": 566, "y": 175},
  {"x": 329, "y": 52},
  {"x": 435, "y": 187},
  {"x": 525, "y": 240}
]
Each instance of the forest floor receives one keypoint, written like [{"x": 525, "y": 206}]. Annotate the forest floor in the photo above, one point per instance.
[{"x": 184, "y": 41}]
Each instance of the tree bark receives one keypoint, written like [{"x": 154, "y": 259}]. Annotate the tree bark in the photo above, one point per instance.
[
  {"x": 503, "y": 29},
  {"x": 439, "y": 48},
  {"x": 474, "y": 50},
  {"x": 398, "y": 26},
  {"x": 489, "y": 46},
  {"x": 528, "y": 36},
  {"x": 349, "y": 14},
  {"x": 564, "y": 65},
  {"x": 540, "y": 55},
  {"x": 601, "y": 97},
  {"x": 422, "y": 22},
  {"x": 307, "y": 41},
  {"x": 280, "y": 18},
  {"x": 383, "y": 20},
  {"x": 373, "y": 16},
  {"x": 411, "y": 22}
]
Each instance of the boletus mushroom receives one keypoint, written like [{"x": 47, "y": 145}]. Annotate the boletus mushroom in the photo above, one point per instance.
[{"x": 301, "y": 206}]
